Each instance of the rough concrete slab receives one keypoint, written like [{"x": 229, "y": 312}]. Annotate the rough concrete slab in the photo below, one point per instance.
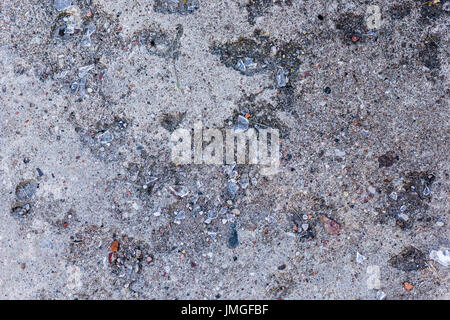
[{"x": 94, "y": 208}]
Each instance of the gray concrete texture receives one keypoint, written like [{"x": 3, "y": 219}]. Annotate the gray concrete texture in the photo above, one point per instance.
[{"x": 93, "y": 208}]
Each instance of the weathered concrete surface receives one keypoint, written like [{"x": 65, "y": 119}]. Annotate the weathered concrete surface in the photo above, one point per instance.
[{"x": 363, "y": 117}]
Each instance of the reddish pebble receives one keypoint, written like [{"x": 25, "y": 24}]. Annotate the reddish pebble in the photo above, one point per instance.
[{"x": 330, "y": 226}]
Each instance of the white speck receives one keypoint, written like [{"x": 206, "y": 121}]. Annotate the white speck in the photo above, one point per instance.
[
  {"x": 273, "y": 51},
  {"x": 180, "y": 215}
]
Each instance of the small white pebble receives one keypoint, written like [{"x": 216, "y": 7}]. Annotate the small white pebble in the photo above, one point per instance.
[
  {"x": 381, "y": 295},
  {"x": 442, "y": 256},
  {"x": 360, "y": 258}
]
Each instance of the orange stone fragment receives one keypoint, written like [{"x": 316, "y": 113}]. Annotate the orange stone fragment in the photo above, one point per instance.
[
  {"x": 114, "y": 246},
  {"x": 408, "y": 286}
]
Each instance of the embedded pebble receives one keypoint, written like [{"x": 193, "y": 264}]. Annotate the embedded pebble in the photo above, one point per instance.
[
  {"x": 232, "y": 189},
  {"x": 61, "y": 5},
  {"x": 381, "y": 295},
  {"x": 241, "y": 124},
  {"x": 26, "y": 189},
  {"x": 83, "y": 71},
  {"x": 442, "y": 256},
  {"x": 236, "y": 212},
  {"x": 233, "y": 240},
  {"x": 360, "y": 258},
  {"x": 281, "y": 78}
]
